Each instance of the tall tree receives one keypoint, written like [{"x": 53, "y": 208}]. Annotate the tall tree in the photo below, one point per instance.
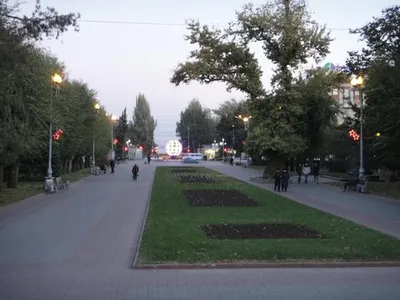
[
  {"x": 379, "y": 63},
  {"x": 319, "y": 109},
  {"x": 290, "y": 38},
  {"x": 229, "y": 125},
  {"x": 42, "y": 22},
  {"x": 143, "y": 124},
  {"x": 121, "y": 132},
  {"x": 195, "y": 126},
  {"x": 18, "y": 84}
]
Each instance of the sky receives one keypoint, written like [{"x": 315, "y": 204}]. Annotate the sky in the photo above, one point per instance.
[{"x": 120, "y": 61}]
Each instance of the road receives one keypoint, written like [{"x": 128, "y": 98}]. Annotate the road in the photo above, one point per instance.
[{"x": 80, "y": 244}]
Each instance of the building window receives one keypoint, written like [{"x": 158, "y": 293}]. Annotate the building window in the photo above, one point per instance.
[{"x": 352, "y": 95}]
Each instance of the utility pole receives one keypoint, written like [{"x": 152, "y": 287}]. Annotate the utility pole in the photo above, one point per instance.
[{"x": 188, "y": 137}]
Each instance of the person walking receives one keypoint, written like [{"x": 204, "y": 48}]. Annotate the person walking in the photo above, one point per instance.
[
  {"x": 285, "y": 180},
  {"x": 278, "y": 180},
  {"x": 299, "y": 170},
  {"x": 112, "y": 165},
  {"x": 306, "y": 172},
  {"x": 316, "y": 172}
]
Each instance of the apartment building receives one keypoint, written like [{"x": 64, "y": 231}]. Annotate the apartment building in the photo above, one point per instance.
[{"x": 345, "y": 96}]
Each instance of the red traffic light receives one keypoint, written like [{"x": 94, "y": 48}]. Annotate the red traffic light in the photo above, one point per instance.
[{"x": 126, "y": 149}]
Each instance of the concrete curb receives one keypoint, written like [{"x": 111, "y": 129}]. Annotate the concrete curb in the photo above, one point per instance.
[
  {"x": 277, "y": 265},
  {"x": 139, "y": 242}
]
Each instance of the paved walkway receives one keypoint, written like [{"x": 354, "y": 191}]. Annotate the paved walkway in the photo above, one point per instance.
[
  {"x": 80, "y": 244},
  {"x": 382, "y": 214}
]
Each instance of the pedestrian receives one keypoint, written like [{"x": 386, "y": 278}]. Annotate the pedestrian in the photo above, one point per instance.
[
  {"x": 278, "y": 180},
  {"x": 316, "y": 172},
  {"x": 103, "y": 168},
  {"x": 299, "y": 170},
  {"x": 231, "y": 161},
  {"x": 112, "y": 165},
  {"x": 306, "y": 172},
  {"x": 285, "y": 180}
]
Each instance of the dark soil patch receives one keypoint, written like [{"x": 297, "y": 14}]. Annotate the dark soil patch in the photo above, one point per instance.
[
  {"x": 218, "y": 198},
  {"x": 259, "y": 231},
  {"x": 183, "y": 170},
  {"x": 195, "y": 178}
]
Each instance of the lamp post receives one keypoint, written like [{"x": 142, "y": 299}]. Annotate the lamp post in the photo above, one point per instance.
[
  {"x": 113, "y": 119},
  {"x": 94, "y": 170},
  {"x": 214, "y": 145},
  {"x": 357, "y": 83},
  {"x": 246, "y": 121},
  {"x": 57, "y": 80}
]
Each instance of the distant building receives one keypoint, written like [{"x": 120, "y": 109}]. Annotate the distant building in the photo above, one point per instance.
[{"x": 345, "y": 96}]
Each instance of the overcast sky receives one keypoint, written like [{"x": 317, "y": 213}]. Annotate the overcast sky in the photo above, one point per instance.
[{"x": 122, "y": 60}]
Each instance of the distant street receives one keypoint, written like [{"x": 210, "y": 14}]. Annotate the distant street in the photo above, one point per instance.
[{"x": 81, "y": 243}]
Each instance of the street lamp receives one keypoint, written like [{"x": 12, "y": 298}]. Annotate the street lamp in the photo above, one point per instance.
[
  {"x": 57, "y": 80},
  {"x": 357, "y": 83},
  {"x": 222, "y": 144},
  {"x": 113, "y": 119},
  {"x": 94, "y": 170},
  {"x": 246, "y": 120}
]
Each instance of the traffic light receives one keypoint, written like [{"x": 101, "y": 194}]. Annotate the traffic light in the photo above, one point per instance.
[
  {"x": 57, "y": 134},
  {"x": 225, "y": 149},
  {"x": 126, "y": 149}
]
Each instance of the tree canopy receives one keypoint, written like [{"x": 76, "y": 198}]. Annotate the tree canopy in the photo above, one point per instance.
[
  {"x": 29, "y": 102},
  {"x": 290, "y": 38},
  {"x": 196, "y": 126},
  {"x": 143, "y": 124},
  {"x": 379, "y": 64}
]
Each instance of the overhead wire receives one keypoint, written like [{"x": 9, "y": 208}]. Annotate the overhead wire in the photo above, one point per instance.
[{"x": 161, "y": 23}]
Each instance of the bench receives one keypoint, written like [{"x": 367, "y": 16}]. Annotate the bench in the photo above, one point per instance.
[
  {"x": 61, "y": 183},
  {"x": 358, "y": 185}
]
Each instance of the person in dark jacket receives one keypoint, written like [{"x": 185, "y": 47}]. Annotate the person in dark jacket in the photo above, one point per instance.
[
  {"x": 316, "y": 172},
  {"x": 285, "y": 180},
  {"x": 299, "y": 171},
  {"x": 278, "y": 180},
  {"x": 112, "y": 165},
  {"x": 135, "y": 171}
]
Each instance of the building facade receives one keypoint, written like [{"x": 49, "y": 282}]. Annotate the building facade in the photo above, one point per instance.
[{"x": 345, "y": 96}]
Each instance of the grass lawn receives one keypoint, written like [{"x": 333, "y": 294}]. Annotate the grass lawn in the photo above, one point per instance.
[
  {"x": 386, "y": 189},
  {"x": 173, "y": 234},
  {"x": 28, "y": 189}
]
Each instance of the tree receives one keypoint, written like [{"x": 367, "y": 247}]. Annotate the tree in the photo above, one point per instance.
[
  {"x": 21, "y": 86},
  {"x": 290, "y": 39},
  {"x": 42, "y": 23},
  {"x": 121, "y": 132},
  {"x": 379, "y": 63},
  {"x": 229, "y": 125},
  {"x": 319, "y": 109},
  {"x": 195, "y": 126},
  {"x": 143, "y": 124}
]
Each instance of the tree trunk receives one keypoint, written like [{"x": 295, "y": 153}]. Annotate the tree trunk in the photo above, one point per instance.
[
  {"x": 70, "y": 165},
  {"x": 13, "y": 176},
  {"x": 273, "y": 164},
  {"x": 1, "y": 177}
]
